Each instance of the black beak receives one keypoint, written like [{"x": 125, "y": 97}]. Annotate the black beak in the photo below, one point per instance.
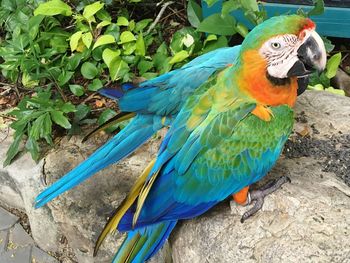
[{"x": 312, "y": 57}]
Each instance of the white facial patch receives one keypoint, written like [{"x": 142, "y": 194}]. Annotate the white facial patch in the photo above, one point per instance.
[{"x": 281, "y": 54}]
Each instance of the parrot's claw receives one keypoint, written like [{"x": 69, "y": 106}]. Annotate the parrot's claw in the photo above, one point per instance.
[{"x": 259, "y": 195}]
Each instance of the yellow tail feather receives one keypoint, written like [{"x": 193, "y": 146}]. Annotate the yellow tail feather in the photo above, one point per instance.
[
  {"x": 142, "y": 197},
  {"x": 124, "y": 206}
]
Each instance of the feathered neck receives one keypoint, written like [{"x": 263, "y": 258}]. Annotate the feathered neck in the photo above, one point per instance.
[{"x": 250, "y": 76}]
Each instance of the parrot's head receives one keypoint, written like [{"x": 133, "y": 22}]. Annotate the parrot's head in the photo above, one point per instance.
[{"x": 285, "y": 49}]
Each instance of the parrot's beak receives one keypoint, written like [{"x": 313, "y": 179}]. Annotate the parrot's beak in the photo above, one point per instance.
[{"x": 312, "y": 57}]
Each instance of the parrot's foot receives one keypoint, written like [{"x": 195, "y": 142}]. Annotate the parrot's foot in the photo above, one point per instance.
[{"x": 259, "y": 195}]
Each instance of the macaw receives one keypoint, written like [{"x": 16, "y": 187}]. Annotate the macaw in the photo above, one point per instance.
[
  {"x": 227, "y": 135},
  {"x": 151, "y": 108}
]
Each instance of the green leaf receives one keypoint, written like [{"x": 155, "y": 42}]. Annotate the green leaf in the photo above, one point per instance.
[
  {"x": 126, "y": 37},
  {"x": 103, "y": 24},
  {"x": 194, "y": 13},
  {"x": 77, "y": 90},
  {"x": 212, "y": 45},
  {"x": 209, "y": 38},
  {"x": 87, "y": 39},
  {"x": 242, "y": 29},
  {"x": 328, "y": 44},
  {"x": 60, "y": 119},
  {"x": 33, "y": 147},
  {"x": 82, "y": 111},
  {"x": 95, "y": 85},
  {"x": 210, "y": 25},
  {"x": 105, "y": 116},
  {"x": 89, "y": 70},
  {"x": 141, "y": 25},
  {"x": 211, "y": 2},
  {"x": 46, "y": 129},
  {"x": 129, "y": 48},
  {"x": 33, "y": 25},
  {"x": 54, "y": 7},
  {"x": 332, "y": 65},
  {"x": 131, "y": 25},
  {"x": 108, "y": 55},
  {"x": 14, "y": 148},
  {"x": 229, "y": 6},
  {"x": 118, "y": 68},
  {"x": 318, "y": 8},
  {"x": 104, "y": 40},
  {"x": 74, "y": 40},
  {"x": 37, "y": 125},
  {"x": 250, "y": 5},
  {"x": 162, "y": 49},
  {"x": 113, "y": 30},
  {"x": 140, "y": 46},
  {"x": 335, "y": 91},
  {"x": 179, "y": 56},
  {"x": 74, "y": 61},
  {"x": 103, "y": 15},
  {"x": 122, "y": 21},
  {"x": 144, "y": 66},
  {"x": 67, "y": 107},
  {"x": 92, "y": 9},
  {"x": 64, "y": 77}
]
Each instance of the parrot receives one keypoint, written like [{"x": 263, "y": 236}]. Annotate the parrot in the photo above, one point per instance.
[
  {"x": 227, "y": 135},
  {"x": 149, "y": 107},
  {"x": 148, "y": 116}
]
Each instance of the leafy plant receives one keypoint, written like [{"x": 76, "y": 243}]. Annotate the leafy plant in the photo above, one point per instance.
[
  {"x": 322, "y": 81},
  {"x": 35, "y": 118}
]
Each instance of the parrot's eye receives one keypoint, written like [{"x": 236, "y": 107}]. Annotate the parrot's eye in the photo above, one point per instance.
[{"x": 275, "y": 45}]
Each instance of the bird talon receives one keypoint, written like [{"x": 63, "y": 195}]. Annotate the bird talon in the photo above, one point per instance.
[{"x": 259, "y": 195}]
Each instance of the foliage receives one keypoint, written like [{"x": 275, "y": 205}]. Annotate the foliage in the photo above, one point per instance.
[
  {"x": 67, "y": 50},
  {"x": 74, "y": 51},
  {"x": 322, "y": 81},
  {"x": 35, "y": 117}
]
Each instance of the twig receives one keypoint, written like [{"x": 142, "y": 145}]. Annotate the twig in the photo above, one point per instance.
[
  {"x": 177, "y": 13},
  {"x": 158, "y": 16},
  {"x": 91, "y": 96},
  {"x": 8, "y": 117},
  {"x": 58, "y": 88},
  {"x": 5, "y": 91},
  {"x": 16, "y": 86}
]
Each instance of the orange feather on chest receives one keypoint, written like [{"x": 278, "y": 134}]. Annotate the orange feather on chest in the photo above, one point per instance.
[{"x": 253, "y": 80}]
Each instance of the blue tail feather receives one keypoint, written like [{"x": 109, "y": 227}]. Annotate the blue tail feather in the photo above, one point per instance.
[{"x": 128, "y": 140}]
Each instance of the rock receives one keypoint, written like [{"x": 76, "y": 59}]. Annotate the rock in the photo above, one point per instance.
[
  {"x": 7, "y": 220},
  {"x": 19, "y": 237},
  {"x": 21, "y": 255},
  {"x": 39, "y": 256},
  {"x": 306, "y": 221},
  {"x": 22, "y": 180},
  {"x": 4, "y": 235},
  {"x": 342, "y": 81}
]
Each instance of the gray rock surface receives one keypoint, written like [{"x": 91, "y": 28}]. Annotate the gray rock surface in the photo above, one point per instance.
[
  {"x": 7, "y": 220},
  {"x": 306, "y": 221},
  {"x": 16, "y": 245}
]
